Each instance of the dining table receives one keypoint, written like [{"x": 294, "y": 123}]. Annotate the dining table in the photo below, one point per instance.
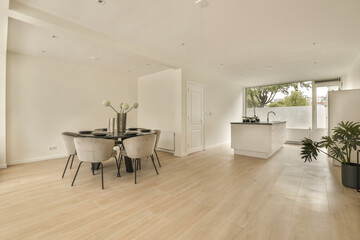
[{"x": 118, "y": 137}]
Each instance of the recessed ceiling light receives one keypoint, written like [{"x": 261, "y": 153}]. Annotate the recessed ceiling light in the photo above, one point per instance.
[
  {"x": 54, "y": 36},
  {"x": 182, "y": 44},
  {"x": 269, "y": 67},
  {"x": 201, "y": 3},
  {"x": 314, "y": 43},
  {"x": 43, "y": 51},
  {"x": 102, "y": 2},
  {"x": 94, "y": 58}
]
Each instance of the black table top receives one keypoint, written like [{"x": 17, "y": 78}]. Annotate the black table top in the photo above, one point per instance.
[
  {"x": 116, "y": 135},
  {"x": 259, "y": 123}
]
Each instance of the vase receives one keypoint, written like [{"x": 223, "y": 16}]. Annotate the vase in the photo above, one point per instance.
[
  {"x": 349, "y": 174},
  {"x": 121, "y": 122}
]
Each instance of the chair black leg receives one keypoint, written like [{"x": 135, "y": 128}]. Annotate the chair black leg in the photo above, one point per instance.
[
  {"x": 138, "y": 164},
  {"x": 66, "y": 166},
  {"x": 117, "y": 166},
  {"x": 157, "y": 158},
  {"x": 120, "y": 160},
  {"x": 72, "y": 184},
  {"x": 72, "y": 161},
  {"x": 93, "y": 168},
  {"x": 152, "y": 158},
  {"x": 102, "y": 175},
  {"x": 135, "y": 170}
]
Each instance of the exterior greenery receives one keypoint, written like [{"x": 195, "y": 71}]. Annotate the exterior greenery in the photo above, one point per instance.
[
  {"x": 296, "y": 98},
  {"x": 346, "y": 138},
  {"x": 264, "y": 95}
]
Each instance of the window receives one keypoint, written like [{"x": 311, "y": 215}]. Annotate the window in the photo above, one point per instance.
[{"x": 302, "y": 104}]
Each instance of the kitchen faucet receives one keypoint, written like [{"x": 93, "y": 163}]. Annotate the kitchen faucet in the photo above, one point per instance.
[{"x": 268, "y": 115}]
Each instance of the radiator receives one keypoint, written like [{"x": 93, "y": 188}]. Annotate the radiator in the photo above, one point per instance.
[{"x": 167, "y": 141}]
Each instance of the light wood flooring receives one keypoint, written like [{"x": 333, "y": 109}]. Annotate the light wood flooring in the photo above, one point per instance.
[{"x": 207, "y": 195}]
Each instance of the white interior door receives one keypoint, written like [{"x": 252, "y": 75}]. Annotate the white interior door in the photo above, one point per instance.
[{"x": 195, "y": 122}]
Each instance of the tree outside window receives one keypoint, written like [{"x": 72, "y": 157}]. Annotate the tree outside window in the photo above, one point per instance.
[{"x": 282, "y": 95}]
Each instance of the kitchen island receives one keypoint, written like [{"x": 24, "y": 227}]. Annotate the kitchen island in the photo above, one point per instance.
[{"x": 259, "y": 139}]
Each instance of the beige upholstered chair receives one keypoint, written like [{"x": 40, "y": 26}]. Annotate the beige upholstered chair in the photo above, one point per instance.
[
  {"x": 157, "y": 132},
  {"x": 139, "y": 147},
  {"x": 94, "y": 150},
  {"x": 68, "y": 139}
]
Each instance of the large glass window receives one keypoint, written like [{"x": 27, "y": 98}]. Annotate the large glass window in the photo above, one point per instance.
[
  {"x": 291, "y": 102},
  {"x": 302, "y": 104}
]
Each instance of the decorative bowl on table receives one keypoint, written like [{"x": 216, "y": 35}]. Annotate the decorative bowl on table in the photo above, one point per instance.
[
  {"x": 145, "y": 130},
  {"x": 131, "y": 133},
  {"x": 99, "y": 134},
  {"x": 85, "y": 132}
]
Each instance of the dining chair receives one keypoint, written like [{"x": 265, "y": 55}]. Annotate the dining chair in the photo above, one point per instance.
[
  {"x": 139, "y": 147},
  {"x": 95, "y": 150},
  {"x": 157, "y": 132},
  {"x": 68, "y": 139}
]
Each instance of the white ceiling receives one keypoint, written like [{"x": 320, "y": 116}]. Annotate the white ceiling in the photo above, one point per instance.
[
  {"x": 32, "y": 40},
  {"x": 230, "y": 39}
]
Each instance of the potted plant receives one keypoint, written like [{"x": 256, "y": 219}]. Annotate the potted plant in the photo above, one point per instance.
[{"x": 340, "y": 145}]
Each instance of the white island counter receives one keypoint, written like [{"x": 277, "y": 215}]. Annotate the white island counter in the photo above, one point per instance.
[{"x": 259, "y": 139}]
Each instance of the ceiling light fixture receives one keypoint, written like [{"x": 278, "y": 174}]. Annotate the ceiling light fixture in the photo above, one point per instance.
[
  {"x": 269, "y": 67},
  {"x": 94, "y": 58},
  {"x": 315, "y": 62},
  {"x": 201, "y": 3},
  {"x": 54, "y": 36},
  {"x": 182, "y": 44},
  {"x": 43, "y": 51},
  {"x": 102, "y": 2}
]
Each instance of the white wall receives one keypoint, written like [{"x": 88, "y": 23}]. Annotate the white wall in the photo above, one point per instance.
[
  {"x": 159, "y": 96},
  {"x": 3, "y": 46},
  {"x": 223, "y": 99},
  {"x": 351, "y": 80},
  {"x": 344, "y": 106},
  {"x": 46, "y": 97}
]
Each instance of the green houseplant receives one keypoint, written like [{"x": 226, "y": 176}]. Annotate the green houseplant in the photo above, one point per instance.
[{"x": 340, "y": 145}]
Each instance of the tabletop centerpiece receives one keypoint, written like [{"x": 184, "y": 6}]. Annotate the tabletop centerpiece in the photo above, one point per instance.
[{"x": 121, "y": 114}]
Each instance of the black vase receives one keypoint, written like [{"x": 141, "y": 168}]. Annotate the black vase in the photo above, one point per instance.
[{"x": 348, "y": 175}]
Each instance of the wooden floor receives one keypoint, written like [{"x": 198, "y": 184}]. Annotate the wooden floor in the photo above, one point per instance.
[{"x": 208, "y": 195}]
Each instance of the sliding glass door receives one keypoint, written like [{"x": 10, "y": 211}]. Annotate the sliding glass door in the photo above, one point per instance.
[{"x": 320, "y": 103}]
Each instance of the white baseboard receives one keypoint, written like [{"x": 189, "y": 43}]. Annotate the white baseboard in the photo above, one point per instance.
[
  {"x": 252, "y": 153},
  {"x": 180, "y": 155},
  {"x": 3, "y": 165},
  {"x": 217, "y": 145},
  {"x": 164, "y": 150},
  {"x": 293, "y": 142},
  {"x": 36, "y": 159}
]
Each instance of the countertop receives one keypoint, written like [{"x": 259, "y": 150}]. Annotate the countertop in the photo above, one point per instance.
[{"x": 260, "y": 123}]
